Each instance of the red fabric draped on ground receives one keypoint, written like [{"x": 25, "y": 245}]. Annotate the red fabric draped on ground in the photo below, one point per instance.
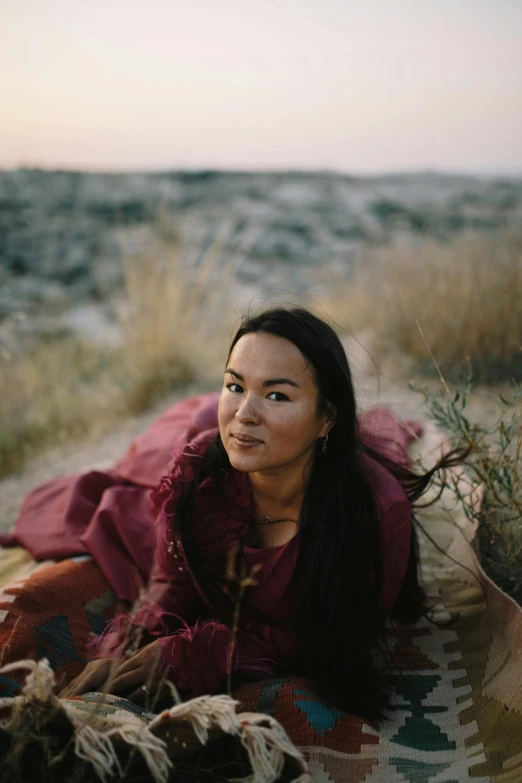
[{"x": 108, "y": 514}]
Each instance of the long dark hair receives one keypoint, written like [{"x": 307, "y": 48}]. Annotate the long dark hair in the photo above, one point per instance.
[{"x": 339, "y": 576}]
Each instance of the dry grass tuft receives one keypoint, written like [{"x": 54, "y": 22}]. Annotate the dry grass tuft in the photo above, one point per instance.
[
  {"x": 461, "y": 302},
  {"x": 173, "y": 321},
  {"x": 56, "y": 392}
]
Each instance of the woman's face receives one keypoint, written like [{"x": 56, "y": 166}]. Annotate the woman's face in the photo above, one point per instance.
[{"x": 268, "y": 412}]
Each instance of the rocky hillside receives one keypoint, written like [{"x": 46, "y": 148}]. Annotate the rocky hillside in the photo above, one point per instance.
[{"x": 63, "y": 234}]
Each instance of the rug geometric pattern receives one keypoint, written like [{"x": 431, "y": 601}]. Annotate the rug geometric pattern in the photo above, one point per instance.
[{"x": 53, "y": 611}]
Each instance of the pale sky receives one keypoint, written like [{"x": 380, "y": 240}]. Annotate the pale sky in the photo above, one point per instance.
[{"x": 367, "y": 86}]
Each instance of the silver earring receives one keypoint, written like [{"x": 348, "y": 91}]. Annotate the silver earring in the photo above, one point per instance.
[{"x": 325, "y": 443}]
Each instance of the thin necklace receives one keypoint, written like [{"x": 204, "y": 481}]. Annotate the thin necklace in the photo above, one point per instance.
[{"x": 268, "y": 519}]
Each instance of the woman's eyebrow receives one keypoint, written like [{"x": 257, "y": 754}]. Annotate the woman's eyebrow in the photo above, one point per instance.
[
  {"x": 280, "y": 382},
  {"x": 234, "y": 373},
  {"x": 269, "y": 382}
]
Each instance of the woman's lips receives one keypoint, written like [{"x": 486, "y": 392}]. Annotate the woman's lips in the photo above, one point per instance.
[{"x": 246, "y": 443}]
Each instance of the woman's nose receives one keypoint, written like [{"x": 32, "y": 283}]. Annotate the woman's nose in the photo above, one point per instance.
[{"x": 248, "y": 413}]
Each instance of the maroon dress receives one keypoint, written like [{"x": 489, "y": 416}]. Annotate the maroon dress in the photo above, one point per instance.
[{"x": 198, "y": 650}]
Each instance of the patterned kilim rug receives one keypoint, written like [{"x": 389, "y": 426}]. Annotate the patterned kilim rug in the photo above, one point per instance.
[
  {"x": 456, "y": 716},
  {"x": 51, "y": 610}
]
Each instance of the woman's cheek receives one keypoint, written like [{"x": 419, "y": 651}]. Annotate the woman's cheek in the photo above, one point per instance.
[
  {"x": 226, "y": 410},
  {"x": 286, "y": 429},
  {"x": 297, "y": 428}
]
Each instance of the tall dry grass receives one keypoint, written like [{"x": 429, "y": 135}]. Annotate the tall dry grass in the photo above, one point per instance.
[
  {"x": 458, "y": 305},
  {"x": 174, "y": 320},
  {"x": 51, "y": 394}
]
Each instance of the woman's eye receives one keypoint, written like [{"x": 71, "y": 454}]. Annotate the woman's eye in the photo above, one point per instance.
[
  {"x": 278, "y": 397},
  {"x": 234, "y": 387}
]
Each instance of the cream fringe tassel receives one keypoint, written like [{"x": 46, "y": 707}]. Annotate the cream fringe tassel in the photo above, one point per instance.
[
  {"x": 263, "y": 738},
  {"x": 204, "y": 713},
  {"x": 267, "y": 743}
]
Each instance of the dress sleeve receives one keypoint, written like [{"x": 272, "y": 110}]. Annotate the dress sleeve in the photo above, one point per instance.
[
  {"x": 198, "y": 658},
  {"x": 172, "y": 598},
  {"x": 171, "y": 601},
  {"x": 197, "y": 652}
]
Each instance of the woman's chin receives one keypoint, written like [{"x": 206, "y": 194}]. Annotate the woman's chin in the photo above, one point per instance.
[{"x": 247, "y": 463}]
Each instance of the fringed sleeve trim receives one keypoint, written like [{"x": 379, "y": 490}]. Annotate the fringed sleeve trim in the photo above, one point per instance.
[{"x": 200, "y": 657}]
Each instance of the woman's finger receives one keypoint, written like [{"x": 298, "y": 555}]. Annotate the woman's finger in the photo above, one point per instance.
[
  {"x": 139, "y": 696},
  {"x": 127, "y": 680},
  {"x": 149, "y": 691},
  {"x": 81, "y": 684},
  {"x": 69, "y": 690},
  {"x": 76, "y": 687},
  {"x": 148, "y": 658},
  {"x": 125, "y": 667},
  {"x": 90, "y": 679}
]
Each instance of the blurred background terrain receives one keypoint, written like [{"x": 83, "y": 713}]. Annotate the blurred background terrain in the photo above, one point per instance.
[
  {"x": 118, "y": 288},
  {"x": 65, "y": 236}
]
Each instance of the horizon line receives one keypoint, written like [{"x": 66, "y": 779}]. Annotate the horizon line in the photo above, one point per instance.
[{"x": 217, "y": 170}]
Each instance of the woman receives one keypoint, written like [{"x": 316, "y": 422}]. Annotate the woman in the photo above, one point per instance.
[{"x": 286, "y": 541}]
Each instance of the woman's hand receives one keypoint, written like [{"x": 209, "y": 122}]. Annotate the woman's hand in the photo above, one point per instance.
[
  {"x": 140, "y": 676},
  {"x": 135, "y": 678},
  {"x": 94, "y": 677}
]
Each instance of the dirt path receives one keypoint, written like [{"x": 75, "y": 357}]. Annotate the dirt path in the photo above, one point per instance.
[{"x": 386, "y": 384}]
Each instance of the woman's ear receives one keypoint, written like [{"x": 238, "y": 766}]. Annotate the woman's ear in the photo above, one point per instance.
[
  {"x": 330, "y": 417},
  {"x": 332, "y": 414}
]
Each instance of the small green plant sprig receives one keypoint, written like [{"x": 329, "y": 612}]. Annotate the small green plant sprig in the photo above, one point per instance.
[{"x": 495, "y": 467}]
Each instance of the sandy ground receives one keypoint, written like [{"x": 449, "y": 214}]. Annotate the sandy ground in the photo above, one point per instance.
[{"x": 386, "y": 384}]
